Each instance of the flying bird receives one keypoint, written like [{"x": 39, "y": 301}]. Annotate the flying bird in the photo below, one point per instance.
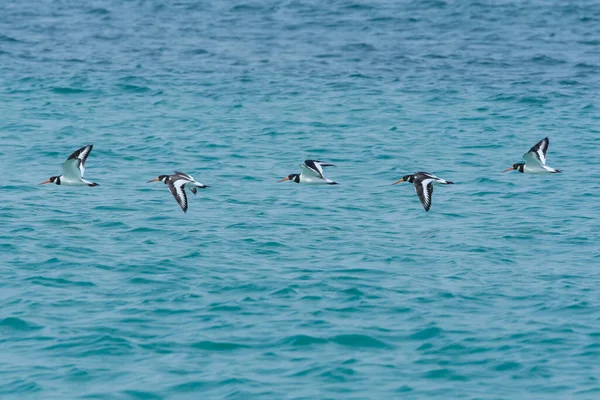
[
  {"x": 312, "y": 174},
  {"x": 423, "y": 182},
  {"x": 535, "y": 160},
  {"x": 177, "y": 184},
  {"x": 73, "y": 169}
]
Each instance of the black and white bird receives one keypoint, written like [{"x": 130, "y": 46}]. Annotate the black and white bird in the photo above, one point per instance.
[
  {"x": 312, "y": 174},
  {"x": 73, "y": 169},
  {"x": 423, "y": 182},
  {"x": 535, "y": 160},
  {"x": 177, "y": 184}
]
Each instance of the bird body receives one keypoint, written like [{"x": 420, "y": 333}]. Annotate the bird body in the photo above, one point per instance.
[
  {"x": 535, "y": 160},
  {"x": 177, "y": 184},
  {"x": 73, "y": 170},
  {"x": 423, "y": 182},
  {"x": 312, "y": 174}
]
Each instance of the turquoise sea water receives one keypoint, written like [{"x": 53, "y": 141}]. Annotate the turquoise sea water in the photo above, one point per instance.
[{"x": 272, "y": 291}]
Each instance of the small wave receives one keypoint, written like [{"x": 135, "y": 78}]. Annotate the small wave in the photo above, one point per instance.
[
  {"x": 18, "y": 324},
  {"x": 303, "y": 340},
  {"x": 133, "y": 88},
  {"x": 358, "y": 47},
  {"x": 197, "y": 52},
  {"x": 547, "y": 60},
  {"x": 58, "y": 282},
  {"x": 358, "y": 340},
  {"x": 246, "y": 8},
  {"x": 426, "y": 334},
  {"x": 338, "y": 374},
  {"x": 99, "y": 11},
  {"x": 444, "y": 373},
  {"x": 224, "y": 307},
  {"x": 68, "y": 90},
  {"x": 358, "y": 6},
  {"x": 141, "y": 395},
  {"x": 92, "y": 346},
  {"x": 218, "y": 346},
  {"x": 9, "y": 39},
  {"x": 285, "y": 292},
  {"x": 507, "y": 366},
  {"x": 20, "y": 386}
]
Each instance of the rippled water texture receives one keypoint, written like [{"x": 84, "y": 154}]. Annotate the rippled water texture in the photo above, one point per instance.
[{"x": 277, "y": 290}]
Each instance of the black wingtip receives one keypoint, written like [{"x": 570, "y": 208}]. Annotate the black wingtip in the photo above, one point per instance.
[
  {"x": 450, "y": 182},
  {"x": 332, "y": 183},
  {"x": 93, "y": 184}
]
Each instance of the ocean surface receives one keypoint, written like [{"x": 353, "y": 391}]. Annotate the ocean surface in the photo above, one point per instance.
[{"x": 267, "y": 290}]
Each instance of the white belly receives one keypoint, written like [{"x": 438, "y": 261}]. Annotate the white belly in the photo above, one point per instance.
[
  {"x": 313, "y": 181},
  {"x": 69, "y": 182},
  {"x": 536, "y": 170}
]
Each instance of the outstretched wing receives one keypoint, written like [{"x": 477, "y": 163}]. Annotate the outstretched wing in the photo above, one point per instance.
[
  {"x": 315, "y": 167},
  {"x": 537, "y": 154},
  {"x": 177, "y": 188},
  {"x": 425, "y": 191},
  {"x": 184, "y": 175},
  {"x": 74, "y": 167}
]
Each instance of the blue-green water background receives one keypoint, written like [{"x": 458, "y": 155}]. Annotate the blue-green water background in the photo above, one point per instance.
[{"x": 266, "y": 290}]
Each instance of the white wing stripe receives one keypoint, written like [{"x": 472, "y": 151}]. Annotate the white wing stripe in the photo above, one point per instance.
[{"x": 178, "y": 191}]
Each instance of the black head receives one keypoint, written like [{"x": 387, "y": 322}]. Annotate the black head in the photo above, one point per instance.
[
  {"x": 292, "y": 177},
  {"x": 405, "y": 178},
  {"x": 53, "y": 179},
  {"x": 516, "y": 167},
  {"x": 162, "y": 178}
]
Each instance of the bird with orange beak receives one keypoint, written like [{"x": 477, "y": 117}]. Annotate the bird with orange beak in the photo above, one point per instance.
[
  {"x": 535, "y": 160},
  {"x": 177, "y": 184},
  {"x": 423, "y": 182},
  {"x": 73, "y": 170},
  {"x": 312, "y": 174}
]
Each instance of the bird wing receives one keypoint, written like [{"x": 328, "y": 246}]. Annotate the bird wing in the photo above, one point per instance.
[
  {"x": 177, "y": 188},
  {"x": 537, "y": 154},
  {"x": 74, "y": 167},
  {"x": 436, "y": 179},
  {"x": 424, "y": 190},
  {"x": 191, "y": 183},
  {"x": 315, "y": 167},
  {"x": 427, "y": 175},
  {"x": 184, "y": 175}
]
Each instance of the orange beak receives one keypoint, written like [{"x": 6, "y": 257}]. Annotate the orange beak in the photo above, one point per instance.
[
  {"x": 48, "y": 181},
  {"x": 283, "y": 180},
  {"x": 508, "y": 169},
  {"x": 153, "y": 180},
  {"x": 397, "y": 182}
]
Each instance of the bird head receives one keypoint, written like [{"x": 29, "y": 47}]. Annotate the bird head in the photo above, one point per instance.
[
  {"x": 405, "y": 178},
  {"x": 516, "y": 167},
  {"x": 291, "y": 177},
  {"x": 162, "y": 178},
  {"x": 53, "y": 179}
]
